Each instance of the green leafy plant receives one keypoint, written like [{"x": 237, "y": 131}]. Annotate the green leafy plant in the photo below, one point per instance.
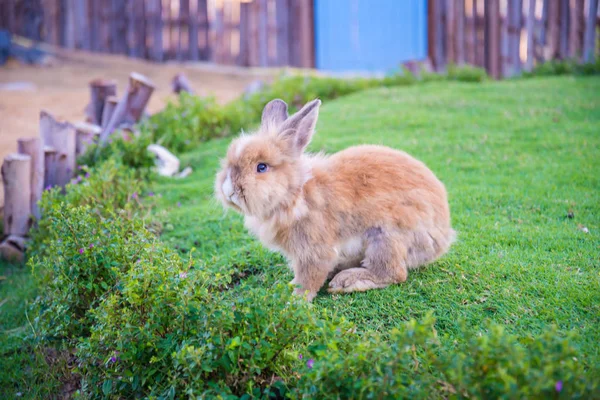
[{"x": 82, "y": 244}]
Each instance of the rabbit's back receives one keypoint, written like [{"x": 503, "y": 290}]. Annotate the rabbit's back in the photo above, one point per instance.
[{"x": 381, "y": 185}]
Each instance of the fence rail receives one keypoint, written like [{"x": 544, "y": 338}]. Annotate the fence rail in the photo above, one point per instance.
[
  {"x": 235, "y": 32},
  {"x": 507, "y": 36}
]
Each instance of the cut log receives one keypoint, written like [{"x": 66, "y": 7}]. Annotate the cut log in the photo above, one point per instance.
[
  {"x": 13, "y": 248},
  {"x": 100, "y": 90},
  {"x": 16, "y": 175},
  {"x": 85, "y": 134},
  {"x": 109, "y": 109},
  {"x": 131, "y": 106},
  {"x": 50, "y": 155},
  {"x": 181, "y": 83},
  {"x": 33, "y": 148},
  {"x": 140, "y": 90},
  {"x": 61, "y": 136}
]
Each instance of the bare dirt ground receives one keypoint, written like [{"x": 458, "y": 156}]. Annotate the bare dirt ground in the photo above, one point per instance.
[{"x": 62, "y": 88}]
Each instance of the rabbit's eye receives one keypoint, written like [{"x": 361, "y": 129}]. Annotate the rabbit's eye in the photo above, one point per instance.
[{"x": 261, "y": 168}]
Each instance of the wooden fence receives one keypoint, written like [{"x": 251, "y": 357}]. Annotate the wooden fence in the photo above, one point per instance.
[
  {"x": 235, "y": 32},
  {"x": 508, "y": 36}
]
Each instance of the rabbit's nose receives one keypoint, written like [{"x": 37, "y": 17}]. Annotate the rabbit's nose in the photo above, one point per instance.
[{"x": 227, "y": 186}]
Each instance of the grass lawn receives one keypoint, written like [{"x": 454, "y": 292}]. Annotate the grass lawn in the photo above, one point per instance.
[
  {"x": 516, "y": 157},
  {"x": 521, "y": 162}
]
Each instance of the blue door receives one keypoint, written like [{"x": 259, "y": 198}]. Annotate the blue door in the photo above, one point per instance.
[{"x": 369, "y": 35}]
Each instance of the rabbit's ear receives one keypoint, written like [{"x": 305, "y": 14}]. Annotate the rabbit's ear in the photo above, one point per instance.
[
  {"x": 274, "y": 113},
  {"x": 300, "y": 127}
]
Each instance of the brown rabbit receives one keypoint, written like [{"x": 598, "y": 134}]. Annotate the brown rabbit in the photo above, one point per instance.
[{"x": 363, "y": 216}]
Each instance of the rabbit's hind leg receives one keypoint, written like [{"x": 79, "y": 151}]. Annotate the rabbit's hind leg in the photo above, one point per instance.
[{"x": 384, "y": 263}]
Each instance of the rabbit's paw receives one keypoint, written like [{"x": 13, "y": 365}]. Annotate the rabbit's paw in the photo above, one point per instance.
[{"x": 354, "y": 280}]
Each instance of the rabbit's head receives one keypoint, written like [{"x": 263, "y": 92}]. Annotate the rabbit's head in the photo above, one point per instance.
[{"x": 266, "y": 170}]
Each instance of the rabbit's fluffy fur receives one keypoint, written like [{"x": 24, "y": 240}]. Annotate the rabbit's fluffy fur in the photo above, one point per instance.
[{"x": 361, "y": 217}]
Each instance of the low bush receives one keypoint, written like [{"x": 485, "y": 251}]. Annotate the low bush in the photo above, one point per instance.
[
  {"x": 131, "y": 153},
  {"x": 564, "y": 67},
  {"x": 170, "y": 331},
  {"x": 85, "y": 240},
  {"x": 412, "y": 363}
]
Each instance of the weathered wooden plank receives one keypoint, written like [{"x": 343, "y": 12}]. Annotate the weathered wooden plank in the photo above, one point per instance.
[
  {"x": 589, "y": 42},
  {"x": 183, "y": 43},
  {"x": 492, "y": 37},
  {"x": 514, "y": 36},
  {"x": 69, "y": 32},
  {"x": 51, "y": 20},
  {"x": 193, "y": 22},
  {"x": 459, "y": 12},
  {"x": 576, "y": 23},
  {"x": 204, "y": 42},
  {"x": 449, "y": 32},
  {"x": 244, "y": 55},
  {"x": 540, "y": 38},
  {"x": 82, "y": 27},
  {"x": 552, "y": 30},
  {"x": 563, "y": 47},
  {"x": 529, "y": 26},
  {"x": 480, "y": 33},
  {"x": 470, "y": 31},
  {"x": 132, "y": 31},
  {"x": 262, "y": 28},
  {"x": 154, "y": 30},
  {"x": 283, "y": 34},
  {"x": 307, "y": 39}
]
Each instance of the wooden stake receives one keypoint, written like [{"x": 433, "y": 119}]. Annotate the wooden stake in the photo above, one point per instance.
[
  {"x": 109, "y": 109},
  {"x": 34, "y": 149},
  {"x": 131, "y": 106},
  {"x": 181, "y": 83},
  {"x": 16, "y": 175},
  {"x": 85, "y": 134},
  {"x": 50, "y": 155},
  {"x": 61, "y": 136},
  {"x": 100, "y": 90}
]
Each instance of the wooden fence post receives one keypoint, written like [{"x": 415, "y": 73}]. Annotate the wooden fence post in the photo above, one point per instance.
[
  {"x": 50, "y": 157},
  {"x": 450, "y": 32},
  {"x": 100, "y": 90},
  {"x": 459, "y": 13},
  {"x": 470, "y": 32},
  {"x": 576, "y": 23},
  {"x": 589, "y": 45},
  {"x": 16, "y": 175},
  {"x": 109, "y": 108},
  {"x": 563, "y": 48},
  {"x": 514, "y": 35},
  {"x": 131, "y": 106},
  {"x": 245, "y": 48},
  {"x": 529, "y": 26},
  {"x": 154, "y": 15},
  {"x": 492, "y": 37},
  {"x": 60, "y": 136},
  {"x": 85, "y": 134},
  {"x": 33, "y": 148},
  {"x": 283, "y": 35}
]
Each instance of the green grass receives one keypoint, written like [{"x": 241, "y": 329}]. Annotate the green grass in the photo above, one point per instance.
[
  {"x": 24, "y": 370},
  {"x": 516, "y": 158}
]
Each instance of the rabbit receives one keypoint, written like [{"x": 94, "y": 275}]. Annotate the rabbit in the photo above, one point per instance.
[{"x": 361, "y": 217}]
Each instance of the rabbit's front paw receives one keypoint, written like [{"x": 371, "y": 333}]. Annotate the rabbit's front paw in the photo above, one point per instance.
[{"x": 309, "y": 294}]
